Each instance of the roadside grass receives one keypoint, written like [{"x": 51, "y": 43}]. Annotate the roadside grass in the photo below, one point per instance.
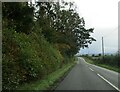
[
  {"x": 88, "y": 60},
  {"x": 48, "y": 81},
  {"x": 114, "y": 68}
]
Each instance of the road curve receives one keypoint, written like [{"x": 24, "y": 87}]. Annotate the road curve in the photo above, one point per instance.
[{"x": 84, "y": 76}]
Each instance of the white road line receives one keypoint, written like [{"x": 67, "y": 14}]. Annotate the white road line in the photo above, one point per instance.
[
  {"x": 108, "y": 82},
  {"x": 91, "y": 69},
  {"x": 100, "y": 67}
]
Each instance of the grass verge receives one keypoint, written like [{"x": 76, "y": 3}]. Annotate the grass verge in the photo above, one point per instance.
[
  {"x": 48, "y": 81},
  {"x": 114, "y": 68}
]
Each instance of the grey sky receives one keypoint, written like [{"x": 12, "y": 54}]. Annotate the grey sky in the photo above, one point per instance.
[{"x": 103, "y": 16}]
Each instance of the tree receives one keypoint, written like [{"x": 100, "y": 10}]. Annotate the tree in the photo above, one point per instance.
[
  {"x": 60, "y": 24},
  {"x": 19, "y": 16},
  {"x": 99, "y": 55},
  {"x": 68, "y": 28}
]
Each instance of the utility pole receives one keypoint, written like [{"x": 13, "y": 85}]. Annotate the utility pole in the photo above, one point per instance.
[{"x": 102, "y": 48}]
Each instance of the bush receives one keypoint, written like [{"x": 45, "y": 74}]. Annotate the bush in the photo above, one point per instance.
[
  {"x": 109, "y": 60},
  {"x": 27, "y": 58}
]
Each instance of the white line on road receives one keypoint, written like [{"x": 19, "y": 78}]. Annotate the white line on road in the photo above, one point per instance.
[
  {"x": 91, "y": 69},
  {"x": 99, "y": 67},
  {"x": 108, "y": 82}
]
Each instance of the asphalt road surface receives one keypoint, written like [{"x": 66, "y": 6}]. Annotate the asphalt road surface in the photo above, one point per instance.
[{"x": 84, "y": 76}]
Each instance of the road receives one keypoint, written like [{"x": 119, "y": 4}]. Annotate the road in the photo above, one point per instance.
[{"x": 84, "y": 76}]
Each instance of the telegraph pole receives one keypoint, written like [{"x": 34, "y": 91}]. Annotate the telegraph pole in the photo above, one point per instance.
[{"x": 102, "y": 48}]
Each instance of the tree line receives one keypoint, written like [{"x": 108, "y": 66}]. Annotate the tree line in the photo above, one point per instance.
[
  {"x": 37, "y": 39},
  {"x": 58, "y": 24}
]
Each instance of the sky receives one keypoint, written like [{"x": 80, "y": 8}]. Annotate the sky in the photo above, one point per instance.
[{"x": 102, "y": 15}]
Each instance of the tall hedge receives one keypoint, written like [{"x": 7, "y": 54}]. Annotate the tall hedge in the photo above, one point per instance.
[{"x": 27, "y": 58}]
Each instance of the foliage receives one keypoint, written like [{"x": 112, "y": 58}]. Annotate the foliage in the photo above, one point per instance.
[
  {"x": 48, "y": 80},
  {"x": 18, "y": 16},
  {"x": 39, "y": 39},
  {"x": 26, "y": 58},
  {"x": 112, "y": 60},
  {"x": 111, "y": 63},
  {"x": 67, "y": 27}
]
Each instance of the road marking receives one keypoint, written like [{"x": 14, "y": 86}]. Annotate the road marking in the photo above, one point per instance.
[
  {"x": 108, "y": 82},
  {"x": 100, "y": 67},
  {"x": 91, "y": 69}
]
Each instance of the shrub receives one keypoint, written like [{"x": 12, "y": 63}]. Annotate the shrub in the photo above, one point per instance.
[{"x": 27, "y": 58}]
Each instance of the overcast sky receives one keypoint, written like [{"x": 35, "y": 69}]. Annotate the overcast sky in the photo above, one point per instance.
[{"x": 103, "y": 16}]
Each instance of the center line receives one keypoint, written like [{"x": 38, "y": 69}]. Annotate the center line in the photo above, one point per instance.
[
  {"x": 91, "y": 69},
  {"x": 109, "y": 82}
]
